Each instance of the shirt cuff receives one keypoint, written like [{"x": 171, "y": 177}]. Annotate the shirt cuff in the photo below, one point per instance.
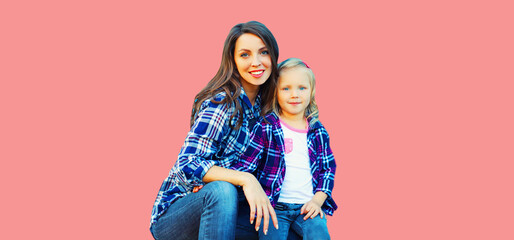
[{"x": 204, "y": 167}]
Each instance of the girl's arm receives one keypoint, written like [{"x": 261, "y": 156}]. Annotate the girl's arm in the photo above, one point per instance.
[
  {"x": 326, "y": 170},
  {"x": 326, "y": 163},
  {"x": 313, "y": 207}
]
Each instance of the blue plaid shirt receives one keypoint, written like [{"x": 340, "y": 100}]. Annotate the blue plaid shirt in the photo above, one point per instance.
[
  {"x": 211, "y": 141},
  {"x": 265, "y": 153}
]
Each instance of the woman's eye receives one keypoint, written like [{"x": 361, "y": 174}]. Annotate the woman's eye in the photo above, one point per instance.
[
  {"x": 265, "y": 52},
  {"x": 244, "y": 55}
]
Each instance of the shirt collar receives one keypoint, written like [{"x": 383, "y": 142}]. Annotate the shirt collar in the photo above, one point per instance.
[
  {"x": 274, "y": 119},
  {"x": 257, "y": 105},
  {"x": 316, "y": 125}
]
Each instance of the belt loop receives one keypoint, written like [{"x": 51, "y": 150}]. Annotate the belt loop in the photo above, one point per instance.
[{"x": 279, "y": 206}]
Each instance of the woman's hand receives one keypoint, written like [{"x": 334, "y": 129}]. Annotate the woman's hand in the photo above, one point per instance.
[
  {"x": 313, "y": 207},
  {"x": 260, "y": 206}
]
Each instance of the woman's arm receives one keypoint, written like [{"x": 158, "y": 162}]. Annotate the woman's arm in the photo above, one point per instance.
[
  {"x": 195, "y": 165},
  {"x": 201, "y": 144},
  {"x": 260, "y": 206}
]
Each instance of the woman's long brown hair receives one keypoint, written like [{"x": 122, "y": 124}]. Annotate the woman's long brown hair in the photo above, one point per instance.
[{"x": 227, "y": 79}]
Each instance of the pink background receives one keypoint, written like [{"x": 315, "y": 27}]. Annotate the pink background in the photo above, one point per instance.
[{"x": 417, "y": 96}]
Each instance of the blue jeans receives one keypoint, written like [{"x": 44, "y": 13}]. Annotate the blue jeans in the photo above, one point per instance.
[
  {"x": 208, "y": 214},
  {"x": 246, "y": 231},
  {"x": 289, "y": 218}
]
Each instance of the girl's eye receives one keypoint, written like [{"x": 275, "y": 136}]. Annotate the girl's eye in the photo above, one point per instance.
[
  {"x": 265, "y": 52},
  {"x": 244, "y": 55},
  {"x": 302, "y": 88},
  {"x": 285, "y": 89}
]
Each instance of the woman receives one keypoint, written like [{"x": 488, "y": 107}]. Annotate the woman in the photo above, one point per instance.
[{"x": 199, "y": 199}]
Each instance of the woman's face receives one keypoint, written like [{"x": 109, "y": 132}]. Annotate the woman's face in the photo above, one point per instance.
[{"x": 253, "y": 61}]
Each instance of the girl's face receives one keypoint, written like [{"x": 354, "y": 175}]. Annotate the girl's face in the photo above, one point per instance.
[
  {"x": 294, "y": 92},
  {"x": 253, "y": 61}
]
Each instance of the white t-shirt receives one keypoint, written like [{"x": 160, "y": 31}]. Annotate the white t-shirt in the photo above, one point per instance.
[{"x": 297, "y": 185}]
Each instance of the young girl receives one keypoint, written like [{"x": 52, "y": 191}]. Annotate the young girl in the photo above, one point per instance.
[{"x": 290, "y": 150}]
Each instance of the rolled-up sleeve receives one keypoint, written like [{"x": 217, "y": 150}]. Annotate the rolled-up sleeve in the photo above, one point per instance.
[{"x": 327, "y": 168}]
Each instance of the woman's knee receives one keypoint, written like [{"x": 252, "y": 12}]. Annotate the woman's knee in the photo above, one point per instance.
[{"x": 221, "y": 192}]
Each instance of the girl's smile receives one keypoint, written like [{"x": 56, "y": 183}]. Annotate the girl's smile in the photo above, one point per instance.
[{"x": 294, "y": 92}]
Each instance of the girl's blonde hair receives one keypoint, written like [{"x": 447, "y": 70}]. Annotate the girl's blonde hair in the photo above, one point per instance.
[{"x": 311, "y": 112}]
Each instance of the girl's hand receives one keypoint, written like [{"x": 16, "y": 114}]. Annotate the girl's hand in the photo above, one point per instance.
[
  {"x": 313, "y": 207},
  {"x": 260, "y": 206}
]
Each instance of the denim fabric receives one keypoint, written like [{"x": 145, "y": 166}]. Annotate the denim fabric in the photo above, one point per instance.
[
  {"x": 245, "y": 230},
  {"x": 289, "y": 218},
  {"x": 208, "y": 214}
]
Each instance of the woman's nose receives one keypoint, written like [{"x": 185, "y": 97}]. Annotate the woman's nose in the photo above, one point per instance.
[{"x": 256, "y": 61}]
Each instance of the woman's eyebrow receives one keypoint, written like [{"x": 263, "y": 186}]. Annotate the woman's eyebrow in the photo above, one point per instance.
[{"x": 244, "y": 49}]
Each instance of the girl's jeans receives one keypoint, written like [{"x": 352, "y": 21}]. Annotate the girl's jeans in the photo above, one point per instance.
[
  {"x": 208, "y": 214},
  {"x": 246, "y": 231},
  {"x": 289, "y": 218}
]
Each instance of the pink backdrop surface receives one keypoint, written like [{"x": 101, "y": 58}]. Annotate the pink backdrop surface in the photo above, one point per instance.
[{"x": 417, "y": 96}]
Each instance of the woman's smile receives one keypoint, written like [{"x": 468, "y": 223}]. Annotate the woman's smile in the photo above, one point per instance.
[
  {"x": 253, "y": 61},
  {"x": 257, "y": 73}
]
